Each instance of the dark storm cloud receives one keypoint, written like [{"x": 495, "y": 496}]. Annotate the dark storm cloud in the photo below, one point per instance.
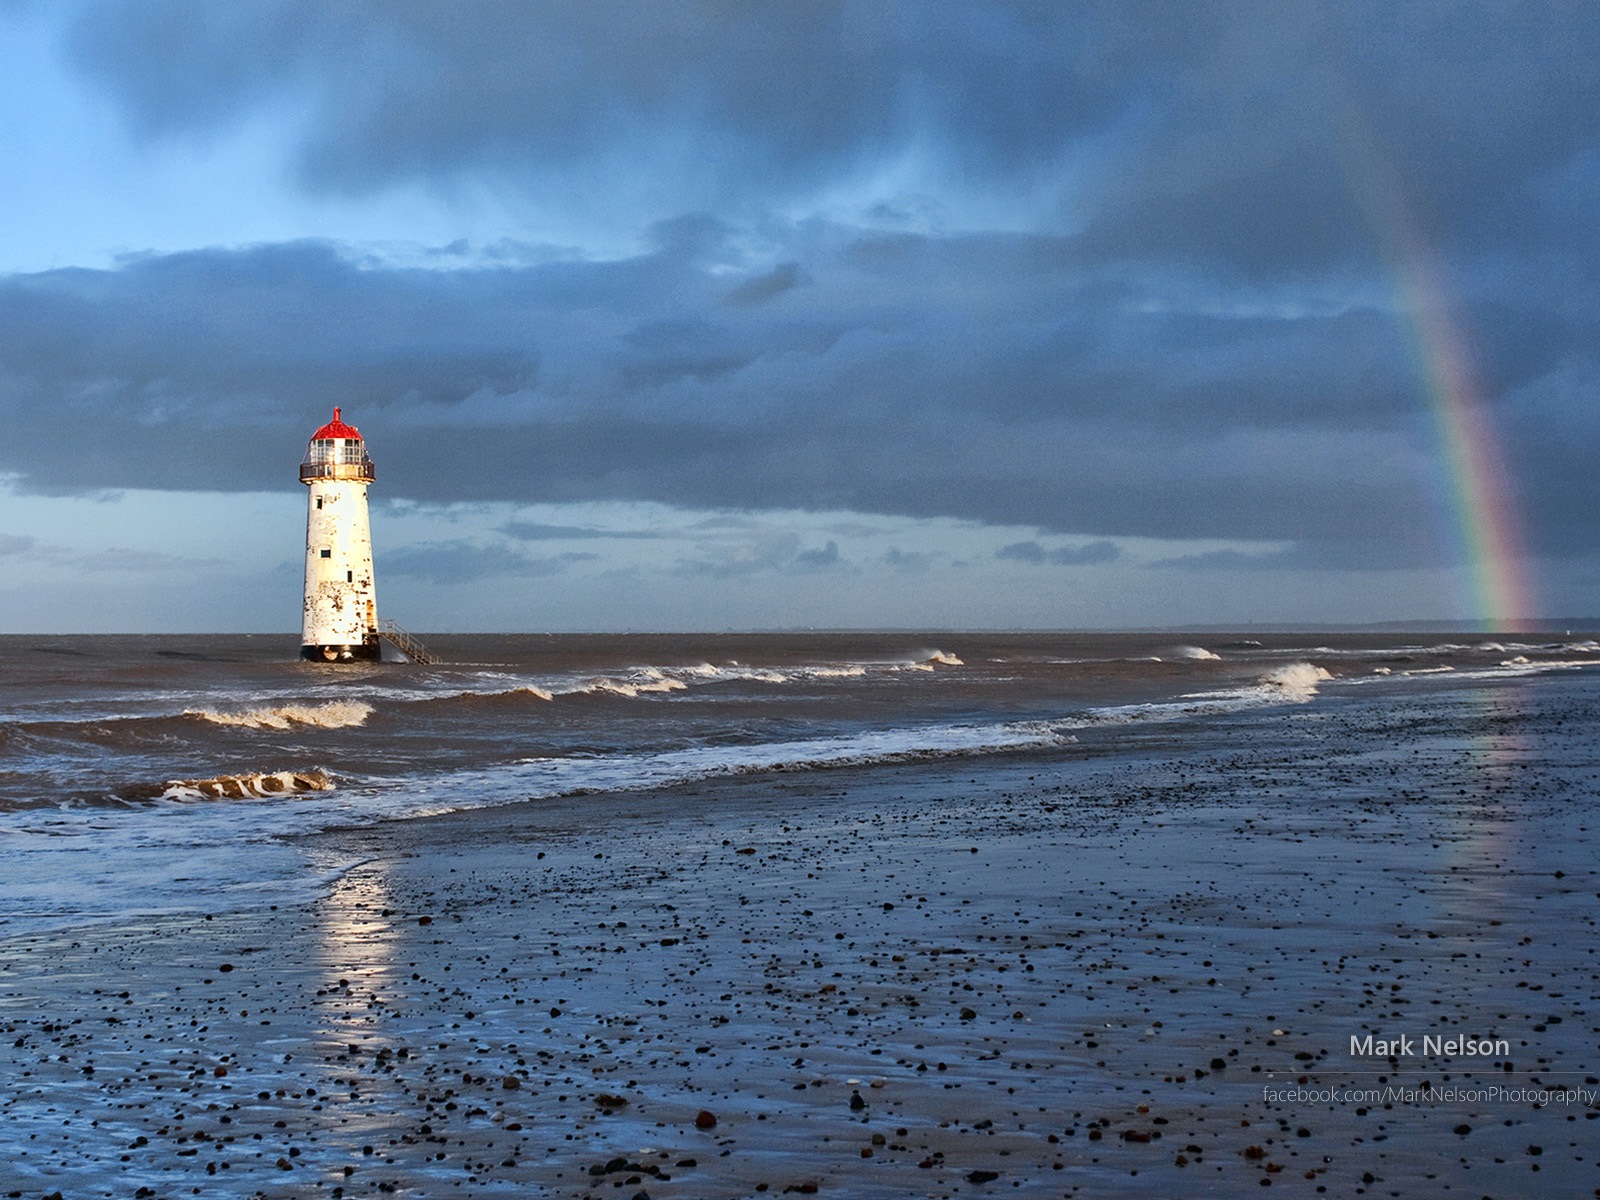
[
  {"x": 740, "y": 96},
  {"x": 1198, "y": 339},
  {"x": 1032, "y": 394},
  {"x": 1241, "y": 134},
  {"x": 1273, "y": 133}
]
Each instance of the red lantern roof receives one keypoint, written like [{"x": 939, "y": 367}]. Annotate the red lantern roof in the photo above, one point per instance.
[{"x": 336, "y": 429}]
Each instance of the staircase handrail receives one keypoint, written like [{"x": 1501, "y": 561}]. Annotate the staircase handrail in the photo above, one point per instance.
[{"x": 405, "y": 643}]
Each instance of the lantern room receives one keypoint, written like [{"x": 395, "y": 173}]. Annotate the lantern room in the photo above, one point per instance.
[{"x": 336, "y": 451}]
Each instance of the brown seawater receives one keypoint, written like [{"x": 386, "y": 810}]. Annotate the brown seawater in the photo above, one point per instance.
[{"x": 144, "y": 774}]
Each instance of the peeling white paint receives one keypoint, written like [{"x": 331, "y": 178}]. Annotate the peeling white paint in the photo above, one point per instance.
[{"x": 341, "y": 608}]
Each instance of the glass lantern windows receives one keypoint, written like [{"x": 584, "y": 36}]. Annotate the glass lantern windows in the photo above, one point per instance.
[{"x": 339, "y": 451}]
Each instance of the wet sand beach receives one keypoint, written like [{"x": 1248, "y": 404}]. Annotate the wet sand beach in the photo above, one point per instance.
[{"x": 1132, "y": 970}]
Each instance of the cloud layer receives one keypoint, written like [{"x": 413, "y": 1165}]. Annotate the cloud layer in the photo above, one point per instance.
[{"x": 1105, "y": 271}]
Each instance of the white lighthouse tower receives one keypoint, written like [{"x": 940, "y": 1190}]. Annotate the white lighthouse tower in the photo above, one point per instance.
[{"x": 341, "y": 610}]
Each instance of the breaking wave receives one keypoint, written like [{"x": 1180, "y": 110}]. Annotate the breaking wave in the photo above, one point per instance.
[
  {"x": 1195, "y": 654},
  {"x": 933, "y": 659},
  {"x": 245, "y": 785},
  {"x": 633, "y": 682},
  {"x": 871, "y": 752},
  {"x": 538, "y": 693},
  {"x": 1297, "y": 681},
  {"x": 248, "y": 787},
  {"x": 644, "y": 682},
  {"x": 335, "y": 714}
]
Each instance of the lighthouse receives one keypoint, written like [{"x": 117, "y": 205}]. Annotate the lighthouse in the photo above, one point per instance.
[{"x": 341, "y": 609}]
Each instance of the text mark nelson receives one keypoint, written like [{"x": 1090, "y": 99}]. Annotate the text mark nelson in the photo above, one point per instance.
[{"x": 1405, "y": 1046}]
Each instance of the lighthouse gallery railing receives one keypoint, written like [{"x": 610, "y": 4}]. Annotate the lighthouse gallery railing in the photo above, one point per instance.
[{"x": 363, "y": 472}]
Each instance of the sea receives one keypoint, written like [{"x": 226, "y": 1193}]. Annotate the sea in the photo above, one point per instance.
[{"x": 146, "y": 775}]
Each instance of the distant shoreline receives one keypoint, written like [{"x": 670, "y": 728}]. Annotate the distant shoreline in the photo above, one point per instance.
[{"x": 1544, "y": 625}]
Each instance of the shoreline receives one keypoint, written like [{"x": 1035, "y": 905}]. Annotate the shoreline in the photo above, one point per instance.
[{"x": 1025, "y": 967}]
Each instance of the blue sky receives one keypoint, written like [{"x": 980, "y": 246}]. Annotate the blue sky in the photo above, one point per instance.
[{"x": 711, "y": 316}]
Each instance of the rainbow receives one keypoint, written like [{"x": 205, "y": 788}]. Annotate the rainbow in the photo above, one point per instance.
[
  {"x": 1479, "y": 525},
  {"x": 1482, "y": 528}
]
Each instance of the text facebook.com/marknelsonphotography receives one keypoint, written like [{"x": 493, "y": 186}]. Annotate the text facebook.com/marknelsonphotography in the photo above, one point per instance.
[{"x": 1447, "y": 1094}]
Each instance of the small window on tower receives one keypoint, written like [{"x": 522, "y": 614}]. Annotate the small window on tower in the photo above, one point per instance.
[
  {"x": 327, "y": 554},
  {"x": 319, "y": 501},
  {"x": 349, "y": 576}
]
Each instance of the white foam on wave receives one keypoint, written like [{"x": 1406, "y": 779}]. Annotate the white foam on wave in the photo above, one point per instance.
[
  {"x": 867, "y": 748},
  {"x": 1513, "y": 667},
  {"x": 525, "y": 689},
  {"x": 645, "y": 682},
  {"x": 1297, "y": 681},
  {"x": 1195, "y": 654},
  {"x": 1522, "y": 665},
  {"x": 632, "y": 682},
  {"x": 1515, "y": 648},
  {"x": 254, "y": 786},
  {"x": 734, "y": 672},
  {"x": 931, "y": 661},
  {"x": 334, "y": 714},
  {"x": 538, "y": 693},
  {"x": 1365, "y": 651},
  {"x": 737, "y": 672}
]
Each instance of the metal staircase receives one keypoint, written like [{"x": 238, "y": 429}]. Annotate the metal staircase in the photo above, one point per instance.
[{"x": 402, "y": 641}]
